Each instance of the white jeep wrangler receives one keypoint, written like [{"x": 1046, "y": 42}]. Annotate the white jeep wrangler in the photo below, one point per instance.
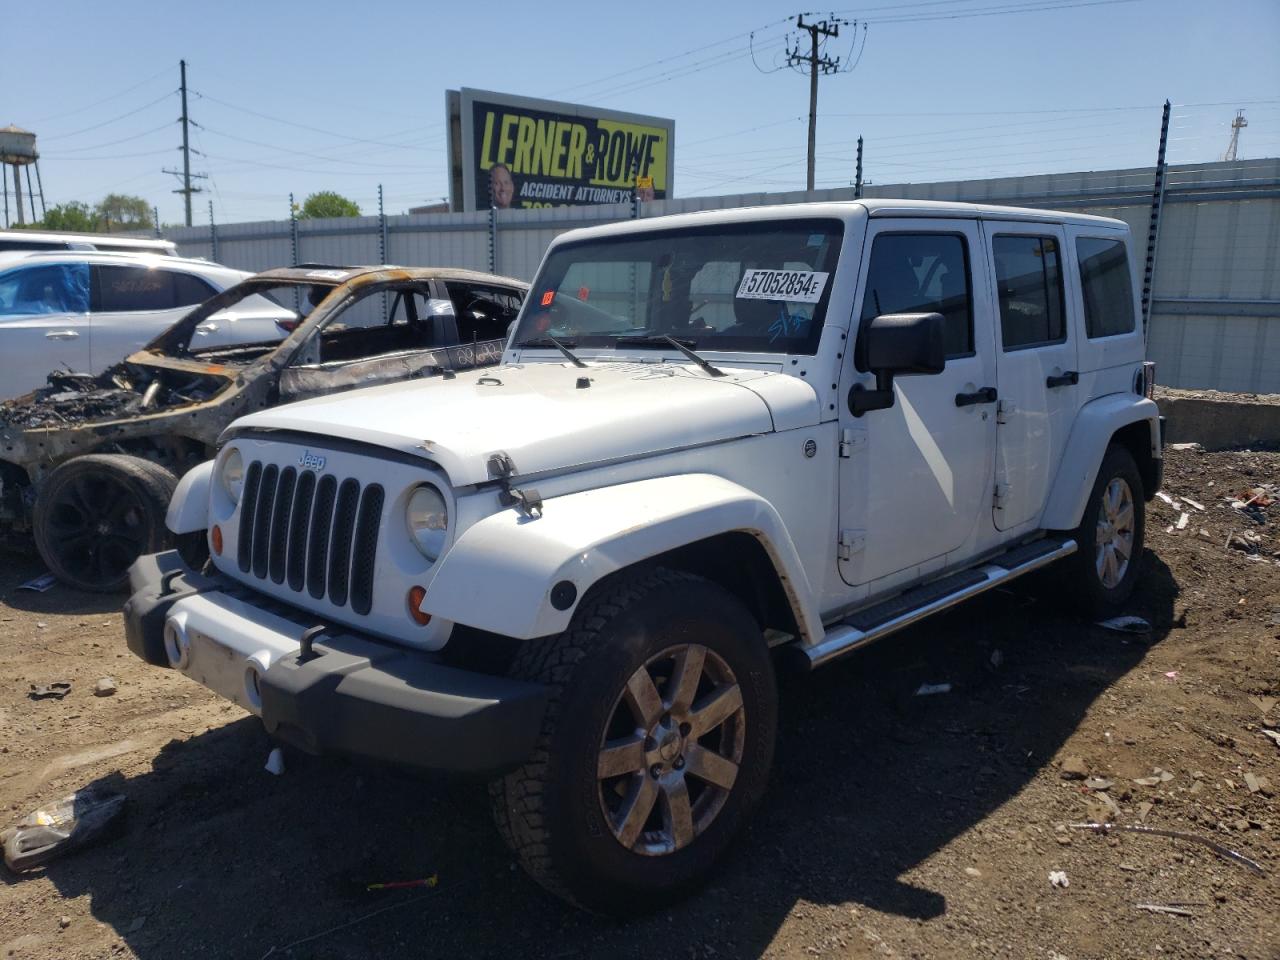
[{"x": 716, "y": 441}]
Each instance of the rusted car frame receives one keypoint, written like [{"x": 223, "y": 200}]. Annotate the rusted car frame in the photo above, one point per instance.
[{"x": 168, "y": 403}]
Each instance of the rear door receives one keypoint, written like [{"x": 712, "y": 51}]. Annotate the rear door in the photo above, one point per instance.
[
  {"x": 44, "y": 324},
  {"x": 1036, "y": 365},
  {"x": 134, "y": 304},
  {"x": 915, "y": 479}
]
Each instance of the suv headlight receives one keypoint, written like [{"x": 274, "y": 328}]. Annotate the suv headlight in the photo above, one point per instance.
[
  {"x": 231, "y": 474},
  {"x": 427, "y": 517}
]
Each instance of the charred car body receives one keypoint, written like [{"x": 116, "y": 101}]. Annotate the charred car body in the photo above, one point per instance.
[{"x": 87, "y": 464}]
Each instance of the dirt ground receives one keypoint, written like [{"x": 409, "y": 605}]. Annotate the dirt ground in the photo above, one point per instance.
[{"x": 896, "y": 825}]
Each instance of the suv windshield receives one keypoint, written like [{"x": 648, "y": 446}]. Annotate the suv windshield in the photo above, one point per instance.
[{"x": 759, "y": 287}]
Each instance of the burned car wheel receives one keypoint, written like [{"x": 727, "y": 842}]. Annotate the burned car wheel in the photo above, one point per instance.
[
  {"x": 655, "y": 748},
  {"x": 98, "y": 513}
]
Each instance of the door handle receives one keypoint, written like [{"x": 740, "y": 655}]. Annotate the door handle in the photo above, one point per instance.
[
  {"x": 62, "y": 335},
  {"x": 985, "y": 395},
  {"x": 206, "y": 328},
  {"x": 1068, "y": 379}
]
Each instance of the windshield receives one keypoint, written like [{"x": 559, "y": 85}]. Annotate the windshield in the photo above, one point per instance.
[
  {"x": 251, "y": 312},
  {"x": 759, "y": 287}
]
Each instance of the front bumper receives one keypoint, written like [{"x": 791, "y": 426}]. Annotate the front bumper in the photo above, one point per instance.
[{"x": 353, "y": 695}]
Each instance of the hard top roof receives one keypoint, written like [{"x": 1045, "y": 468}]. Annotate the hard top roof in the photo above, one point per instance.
[
  {"x": 320, "y": 273},
  {"x": 842, "y": 210},
  {"x": 143, "y": 257}
]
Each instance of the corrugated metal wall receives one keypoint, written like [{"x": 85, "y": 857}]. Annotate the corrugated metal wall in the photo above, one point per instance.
[{"x": 1216, "y": 301}]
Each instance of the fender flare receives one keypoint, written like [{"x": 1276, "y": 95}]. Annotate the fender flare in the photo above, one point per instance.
[
  {"x": 1095, "y": 425},
  {"x": 499, "y": 574},
  {"x": 189, "y": 509}
]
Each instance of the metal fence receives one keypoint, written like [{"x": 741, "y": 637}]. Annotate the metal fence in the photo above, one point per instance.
[{"x": 1215, "y": 320}]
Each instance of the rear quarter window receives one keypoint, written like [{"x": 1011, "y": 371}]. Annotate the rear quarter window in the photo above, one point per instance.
[{"x": 1106, "y": 286}]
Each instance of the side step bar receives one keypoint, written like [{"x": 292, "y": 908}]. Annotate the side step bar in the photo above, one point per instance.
[{"x": 889, "y": 616}]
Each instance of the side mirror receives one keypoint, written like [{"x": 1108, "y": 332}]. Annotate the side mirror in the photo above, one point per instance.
[{"x": 896, "y": 344}]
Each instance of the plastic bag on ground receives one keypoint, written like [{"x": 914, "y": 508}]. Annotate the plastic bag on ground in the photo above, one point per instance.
[{"x": 59, "y": 828}]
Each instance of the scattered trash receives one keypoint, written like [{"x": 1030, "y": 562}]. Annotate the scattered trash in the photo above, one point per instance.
[
  {"x": 430, "y": 881},
  {"x": 1165, "y": 497},
  {"x": 1257, "y": 784},
  {"x": 1272, "y": 736},
  {"x": 928, "y": 689},
  {"x": 1217, "y": 848},
  {"x": 68, "y": 824},
  {"x": 64, "y": 922},
  {"x": 275, "y": 761},
  {"x": 1126, "y": 624},
  {"x": 105, "y": 687},
  {"x": 1195, "y": 447},
  {"x": 1099, "y": 783},
  {"x": 54, "y": 690},
  {"x": 40, "y": 584},
  {"x": 1247, "y": 542},
  {"x": 1191, "y": 503},
  {"x": 1156, "y": 908},
  {"x": 1157, "y": 777},
  {"x": 1171, "y": 675},
  {"x": 973, "y": 872},
  {"x": 1073, "y": 768},
  {"x": 1183, "y": 521},
  {"x": 40, "y": 624},
  {"x": 1058, "y": 878},
  {"x": 1144, "y": 808}
]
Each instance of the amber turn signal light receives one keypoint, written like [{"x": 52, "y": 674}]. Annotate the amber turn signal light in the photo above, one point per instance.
[
  {"x": 415, "y": 598},
  {"x": 215, "y": 539}
]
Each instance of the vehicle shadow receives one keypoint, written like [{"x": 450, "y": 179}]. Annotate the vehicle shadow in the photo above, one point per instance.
[
  {"x": 19, "y": 566},
  {"x": 220, "y": 859}
]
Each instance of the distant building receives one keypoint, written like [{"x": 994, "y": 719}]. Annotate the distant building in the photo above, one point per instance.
[{"x": 431, "y": 208}]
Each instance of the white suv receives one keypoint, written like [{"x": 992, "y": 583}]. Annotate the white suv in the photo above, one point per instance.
[
  {"x": 718, "y": 441},
  {"x": 84, "y": 311}
]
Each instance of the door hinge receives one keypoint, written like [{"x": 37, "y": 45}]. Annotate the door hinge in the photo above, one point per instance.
[
  {"x": 851, "y": 542},
  {"x": 1004, "y": 408},
  {"x": 1001, "y": 496},
  {"x": 849, "y": 439}
]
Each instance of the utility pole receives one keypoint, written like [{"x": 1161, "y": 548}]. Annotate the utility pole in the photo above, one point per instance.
[
  {"x": 186, "y": 189},
  {"x": 1238, "y": 124},
  {"x": 817, "y": 62}
]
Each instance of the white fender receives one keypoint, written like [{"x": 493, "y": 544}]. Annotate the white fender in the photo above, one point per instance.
[
  {"x": 189, "y": 508},
  {"x": 499, "y": 574},
  {"x": 1095, "y": 424}
]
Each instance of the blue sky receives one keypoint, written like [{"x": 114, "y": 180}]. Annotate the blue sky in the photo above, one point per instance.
[{"x": 305, "y": 97}]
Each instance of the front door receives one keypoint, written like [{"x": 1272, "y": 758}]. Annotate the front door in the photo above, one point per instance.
[
  {"x": 44, "y": 324},
  {"x": 915, "y": 479},
  {"x": 1036, "y": 366}
]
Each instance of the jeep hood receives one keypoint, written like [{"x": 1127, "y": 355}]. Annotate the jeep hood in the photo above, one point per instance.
[{"x": 551, "y": 416}]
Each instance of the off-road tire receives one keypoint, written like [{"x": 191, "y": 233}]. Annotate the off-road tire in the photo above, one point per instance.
[
  {"x": 550, "y": 811},
  {"x": 94, "y": 560},
  {"x": 1086, "y": 590}
]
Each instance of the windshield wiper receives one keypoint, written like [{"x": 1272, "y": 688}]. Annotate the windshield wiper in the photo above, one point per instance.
[
  {"x": 662, "y": 340},
  {"x": 550, "y": 341}
]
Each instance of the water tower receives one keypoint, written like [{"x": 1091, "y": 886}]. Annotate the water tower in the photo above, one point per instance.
[{"x": 18, "y": 150}]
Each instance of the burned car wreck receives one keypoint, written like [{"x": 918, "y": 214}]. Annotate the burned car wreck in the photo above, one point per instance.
[{"x": 87, "y": 464}]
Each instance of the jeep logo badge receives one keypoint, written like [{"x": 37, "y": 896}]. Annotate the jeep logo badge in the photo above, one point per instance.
[{"x": 309, "y": 461}]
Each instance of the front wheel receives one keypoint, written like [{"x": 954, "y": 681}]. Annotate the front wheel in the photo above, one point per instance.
[
  {"x": 1111, "y": 535},
  {"x": 97, "y": 513},
  {"x": 656, "y": 745}
]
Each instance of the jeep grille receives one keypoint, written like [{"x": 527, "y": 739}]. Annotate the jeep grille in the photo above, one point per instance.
[{"x": 318, "y": 535}]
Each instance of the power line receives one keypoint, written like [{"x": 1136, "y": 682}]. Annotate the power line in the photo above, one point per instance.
[
  {"x": 151, "y": 103},
  {"x": 96, "y": 103}
]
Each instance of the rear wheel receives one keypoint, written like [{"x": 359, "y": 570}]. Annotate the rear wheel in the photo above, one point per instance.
[
  {"x": 656, "y": 745},
  {"x": 98, "y": 513},
  {"x": 1111, "y": 535}
]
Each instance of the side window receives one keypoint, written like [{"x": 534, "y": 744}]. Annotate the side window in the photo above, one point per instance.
[
  {"x": 189, "y": 290},
  {"x": 1106, "y": 286},
  {"x": 129, "y": 289},
  {"x": 53, "y": 288},
  {"x": 483, "y": 313},
  {"x": 923, "y": 273},
  {"x": 1029, "y": 285}
]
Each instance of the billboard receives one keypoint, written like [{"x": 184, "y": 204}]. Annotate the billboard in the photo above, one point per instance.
[{"x": 519, "y": 153}]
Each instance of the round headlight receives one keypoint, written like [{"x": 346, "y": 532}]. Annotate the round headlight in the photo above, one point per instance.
[
  {"x": 427, "y": 517},
  {"x": 232, "y": 475}
]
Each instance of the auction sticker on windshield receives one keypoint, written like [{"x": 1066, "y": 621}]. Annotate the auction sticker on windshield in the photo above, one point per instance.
[{"x": 795, "y": 286}]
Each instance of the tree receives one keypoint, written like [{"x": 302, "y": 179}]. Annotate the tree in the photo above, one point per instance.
[
  {"x": 118, "y": 211},
  {"x": 74, "y": 217},
  {"x": 326, "y": 204}
]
